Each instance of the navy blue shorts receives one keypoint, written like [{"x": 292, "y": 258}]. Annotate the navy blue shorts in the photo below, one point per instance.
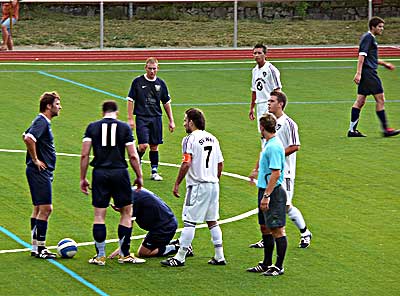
[
  {"x": 149, "y": 130},
  {"x": 370, "y": 83},
  {"x": 276, "y": 215},
  {"x": 40, "y": 185},
  {"x": 161, "y": 237},
  {"x": 107, "y": 183}
]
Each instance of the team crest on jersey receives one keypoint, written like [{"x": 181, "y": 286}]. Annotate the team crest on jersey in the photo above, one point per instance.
[
  {"x": 157, "y": 87},
  {"x": 278, "y": 126},
  {"x": 264, "y": 74}
]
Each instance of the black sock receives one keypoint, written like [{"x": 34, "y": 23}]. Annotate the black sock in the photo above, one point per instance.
[
  {"x": 269, "y": 244},
  {"x": 281, "y": 246},
  {"x": 153, "y": 155},
  {"x": 41, "y": 230},
  {"x": 303, "y": 230},
  {"x": 99, "y": 235},
  {"x": 33, "y": 228},
  {"x": 140, "y": 154},
  {"x": 124, "y": 235},
  {"x": 382, "y": 117},
  {"x": 355, "y": 116}
]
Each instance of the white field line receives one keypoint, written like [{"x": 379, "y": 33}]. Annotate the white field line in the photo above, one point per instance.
[{"x": 228, "y": 220}]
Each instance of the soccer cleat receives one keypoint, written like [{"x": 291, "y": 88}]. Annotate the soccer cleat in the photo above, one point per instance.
[
  {"x": 355, "y": 134},
  {"x": 156, "y": 177},
  {"x": 45, "y": 254},
  {"x": 214, "y": 261},
  {"x": 261, "y": 267},
  {"x": 190, "y": 252},
  {"x": 130, "y": 259},
  {"x": 98, "y": 260},
  {"x": 172, "y": 262},
  {"x": 174, "y": 242},
  {"x": 390, "y": 132},
  {"x": 257, "y": 245},
  {"x": 274, "y": 271},
  {"x": 305, "y": 240}
]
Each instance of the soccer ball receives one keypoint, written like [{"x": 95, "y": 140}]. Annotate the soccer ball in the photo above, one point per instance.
[{"x": 67, "y": 248}]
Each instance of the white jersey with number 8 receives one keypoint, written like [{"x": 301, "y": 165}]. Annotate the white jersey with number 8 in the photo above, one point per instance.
[{"x": 206, "y": 154}]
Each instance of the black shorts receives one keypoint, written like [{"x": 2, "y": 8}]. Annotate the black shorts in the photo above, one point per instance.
[
  {"x": 370, "y": 83},
  {"x": 161, "y": 237},
  {"x": 276, "y": 214},
  {"x": 107, "y": 183},
  {"x": 149, "y": 130},
  {"x": 40, "y": 185}
]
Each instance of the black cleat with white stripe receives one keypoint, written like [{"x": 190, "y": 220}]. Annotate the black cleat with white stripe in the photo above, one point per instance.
[{"x": 172, "y": 262}]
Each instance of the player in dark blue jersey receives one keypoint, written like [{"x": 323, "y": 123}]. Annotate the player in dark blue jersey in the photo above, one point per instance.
[
  {"x": 368, "y": 80},
  {"x": 146, "y": 94},
  {"x": 40, "y": 164},
  {"x": 110, "y": 138},
  {"x": 152, "y": 214}
]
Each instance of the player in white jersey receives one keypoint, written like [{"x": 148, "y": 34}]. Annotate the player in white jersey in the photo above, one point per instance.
[
  {"x": 202, "y": 165},
  {"x": 287, "y": 132},
  {"x": 265, "y": 79}
]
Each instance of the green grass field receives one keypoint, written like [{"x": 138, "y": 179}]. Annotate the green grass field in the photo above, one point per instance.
[{"x": 346, "y": 188}]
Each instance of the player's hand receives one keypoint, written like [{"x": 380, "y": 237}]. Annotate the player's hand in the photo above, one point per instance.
[
  {"x": 131, "y": 123},
  {"x": 115, "y": 208},
  {"x": 264, "y": 205},
  {"x": 171, "y": 126},
  {"x": 389, "y": 66},
  {"x": 251, "y": 115},
  {"x": 39, "y": 164},
  {"x": 357, "y": 78},
  {"x": 253, "y": 177},
  {"x": 139, "y": 183},
  {"x": 85, "y": 186},
  {"x": 175, "y": 191}
]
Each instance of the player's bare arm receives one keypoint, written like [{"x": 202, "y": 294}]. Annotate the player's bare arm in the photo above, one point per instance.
[
  {"x": 264, "y": 205},
  {"x": 131, "y": 108},
  {"x": 135, "y": 164},
  {"x": 168, "y": 110},
  {"x": 252, "y": 105},
  {"x": 31, "y": 146},
  {"x": 360, "y": 63},
  {"x": 84, "y": 183},
  {"x": 387, "y": 65},
  {"x": 291, "y": 149},
  {"x": 186, "y": 163}
]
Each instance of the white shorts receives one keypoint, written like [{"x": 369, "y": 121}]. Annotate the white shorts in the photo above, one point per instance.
[
  {"x": 288, "y": 185},
  {"x": 201, "y": 203},
  {"x": 261, "y": 108}
]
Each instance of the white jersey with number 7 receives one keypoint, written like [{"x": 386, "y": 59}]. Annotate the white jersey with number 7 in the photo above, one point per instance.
[{"x": 206, "y": 154}]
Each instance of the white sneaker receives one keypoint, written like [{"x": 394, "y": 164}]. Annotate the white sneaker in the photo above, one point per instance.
[
  {"x": 156, "y": 177},
  {"x": 130, "y": 259}
]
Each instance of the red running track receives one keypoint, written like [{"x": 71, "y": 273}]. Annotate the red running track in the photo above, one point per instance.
[{"x": 187, "y": 54}]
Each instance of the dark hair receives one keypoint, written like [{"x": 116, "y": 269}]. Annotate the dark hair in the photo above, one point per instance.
[
  {"x": 280, "y": 96},
  {"x": 268, "y": 122},
  {"x": 48, "y": 98},
  {"x": 110, "y": 106},
  {"x": 197, "y": 117},
  {"x": 375, "y": 21},
  {"x": 260, "y": 45}
]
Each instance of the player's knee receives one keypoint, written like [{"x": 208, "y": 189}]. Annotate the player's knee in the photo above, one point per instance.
[
  {"x": 264, "y": 229},
  {"x": 143, "y": 147}
]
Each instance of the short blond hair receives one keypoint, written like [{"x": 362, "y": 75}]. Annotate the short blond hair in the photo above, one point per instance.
[{"x": 151, "y": 60}]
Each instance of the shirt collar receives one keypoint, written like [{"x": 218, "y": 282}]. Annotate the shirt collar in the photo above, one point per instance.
[{"x": 45, "y": 117}]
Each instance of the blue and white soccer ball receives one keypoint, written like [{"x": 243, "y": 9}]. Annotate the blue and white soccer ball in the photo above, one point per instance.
[{"x": 67, "y": 248}]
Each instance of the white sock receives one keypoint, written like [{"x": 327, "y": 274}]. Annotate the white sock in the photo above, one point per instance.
[
  {"x": 169, "y": 248},
  {"x": 34, "y": 245},
  {"x": 185, "y": 240},
  {"x": 297, "y": 218},
  {"x": 216, "y": 238}
]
